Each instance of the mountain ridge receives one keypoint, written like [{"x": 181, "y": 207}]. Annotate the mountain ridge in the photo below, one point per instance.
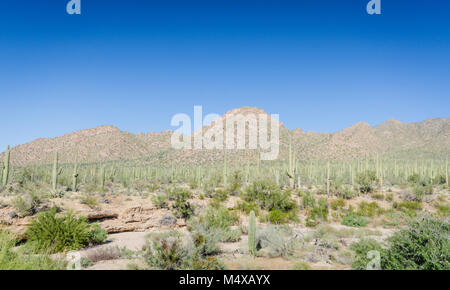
[{"x": 428, "y": 138}]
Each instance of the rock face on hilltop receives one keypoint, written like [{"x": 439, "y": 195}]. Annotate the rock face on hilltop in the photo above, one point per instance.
[{"x": 430, "y": 138}]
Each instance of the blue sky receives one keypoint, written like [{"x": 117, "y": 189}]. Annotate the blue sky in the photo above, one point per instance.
[{"x": 321, "y": 65}]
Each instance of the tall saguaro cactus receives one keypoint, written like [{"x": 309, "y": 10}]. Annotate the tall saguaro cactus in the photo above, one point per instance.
[
  {"x": 328, "y": 178},
  {"x": 446, "y": 172},
  {"x": 291, "y": 167},
  {"x": 75, "y": 177},
  {"x": 102, "y": 177},
  {"x": 225, "y": 180},
  {"x": 6, "y": 167},
  {"x": 56, "y": 172},
  {"x": 252, "y": 234}
]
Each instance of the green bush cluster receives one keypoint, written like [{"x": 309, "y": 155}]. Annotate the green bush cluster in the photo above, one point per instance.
[
  {"x": 52, "y": 233},
  {"x": 366, "y": 181},
  {"x": 354, "y": 220},
  {"x": 23, "y": 258},
  {"x": 166, "y": 251},
  {"x": 424, "y": 245},
  {"x": 268, "y": 196}
]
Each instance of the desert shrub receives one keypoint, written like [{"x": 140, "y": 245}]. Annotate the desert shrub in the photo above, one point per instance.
[
  {"x": 394, "y": 218},
  {"x": 207, "y": 263},
  {"x": 181, "y": 207},
  {"x": 347, "y": 193},
  {"x": 319, "y": 212},
  {"x": 26, "y": 204},
  {"x": 302, "y": 265},
  {"x": 276, "y": 241},
  {"x": 354, "y": 220},
  {"x": 337, "y": 204},
  {"x": 236, "y": 183},
  {"x": 178, "y": 193},
  {"x": 206, "y": 243},
  {"x": 414, "y": 178},
  {"x": 97, "y": 235},
  {"x": 166, "y": 252},
  {"x": 221, "y": 195},
  {"x": 366, "y": 181},
  {"x": 442, "y": 209},
  {"x": 159, "y": 200},
  {"x": 278, "y": 217},
  {"x": 53, "y": 233},
  {"x": 409, "y": 207},
  {"x": 269, "y": 196},
  {"x": 215, "y": 224},
  {"x": 361, "y": 249},
  {"x": 389, "y": 197},
  {"x": 104, "y": 254},
  {"x": 424, "y": 245},
  {"x": 248, "y": 207},
  {"x": 378, "y": 196},
  {"x": 421, "y": 191},
  {"x": 308, "y": 201},
  {"x": 12, "y": 258},
  {"x": 89, "y": 200},
  {"x": 440, "y": 179},
  {"x": 369, "y": 209}
]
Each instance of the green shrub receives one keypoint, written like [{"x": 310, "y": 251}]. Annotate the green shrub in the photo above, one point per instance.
[
  {"x": 442, "y": 209},
  {"x": 12, "y": 258},
  {"x": 159, "y": 200},
  {"x": 215, "y": 224},
  {"x": 26, "y": 205},
  {"x": 248, "y": 207},
  {"x": 53, "y": 233},
  {"x": 301, "y": 266},
  {"x": 181, "y": 207},
  {"x": 276, "y": 241},
  {"x": 308, "y": 201},
  {"x": 361, "y": 249},
  {"x": 366, "y": 181},
  {"x": 89, "y": 200},
  {"x": 320, "y": 212},
  {"x": 269, "y": 196},
  {"x": 166, "y": 252},
  {"x": 408, "y": 207},
  {"x": 354, "y": 220},
  {"x": 337, "y": 204},
  {"x": 369, "y": 209},
  {"x": 277, "y": 217},
  {"x": 424, "y": 245}
]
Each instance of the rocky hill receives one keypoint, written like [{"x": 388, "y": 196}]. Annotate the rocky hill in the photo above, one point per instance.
[{"x": 427, "y": 139}]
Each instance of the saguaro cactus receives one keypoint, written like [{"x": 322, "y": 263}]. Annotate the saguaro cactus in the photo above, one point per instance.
[
  {"x": 252, "y": 234},
  {"x": 102, "y": 177},
  {"x": 328, "y": 178},
  {"x": 56, "y": 172},
  {"x": 291, "y": 169},
  {"x": 6, "y": 167},
  {"x": 225, "y": 181},
  {"x": 446, "y": 172},
  {"x": 75, "y": 177}
]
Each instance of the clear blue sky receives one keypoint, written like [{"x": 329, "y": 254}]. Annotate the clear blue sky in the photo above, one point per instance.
[{"x": 322, "y": 65}]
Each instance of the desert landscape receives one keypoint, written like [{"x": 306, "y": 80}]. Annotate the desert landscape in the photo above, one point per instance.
[{"x": 101, "y": 199}]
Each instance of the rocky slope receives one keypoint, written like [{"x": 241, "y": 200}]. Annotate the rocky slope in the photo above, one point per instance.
[{"x": 427, "y": 139}]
